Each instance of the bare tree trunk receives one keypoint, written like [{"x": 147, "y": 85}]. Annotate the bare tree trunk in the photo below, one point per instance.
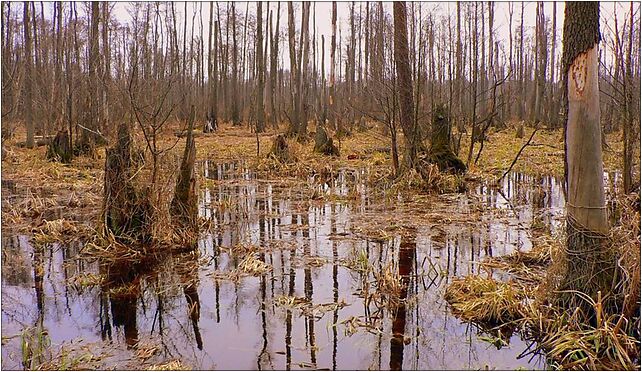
[
  {"x": 483, "y": 72},
  {"x": 324, "y": 92},
  {"x": 28, "y": 78},
  {"x": 236, "y": 118},
  {"x": 554, "y": 100},
  {"x": 304, "y": 54},
  {"x": 351, "y": 68},
  {"x": 93, "y": 124},
  {"x": 260, "y": 70},
  {"x": 184, "y": 206},
  {"x": 404, "y": 84},
  {"x": 106, "y": 73},
  {"x": 333, "y": 62},
  {"x": 522, "y": 90},
  {"x": 589, "y": 266},
  {"x": 511, "y": 61},
  {"x": 541, "y": 56},
  {"x": 460, "y": 73},
  {"x": 475, "y": 84},
  {"x": 241, "y": 80},
  {"x": 294, "y": 74},
  {"x": 212, "y": 73},
  {"x": 274, "y": 53},
  {"x": 184, "y": 64},
  {"x": 628, "y": 127}
]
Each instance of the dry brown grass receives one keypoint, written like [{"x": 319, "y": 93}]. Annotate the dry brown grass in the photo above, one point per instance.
[
  {"x": 566, "y": 338},
  {"x": 66, "y": 191},
  {"x": 527, "y": 268},
  {"x": 545, "y": 156},
  {"x": 484, "y": 301},
  {"x": 172, "y": 365}
]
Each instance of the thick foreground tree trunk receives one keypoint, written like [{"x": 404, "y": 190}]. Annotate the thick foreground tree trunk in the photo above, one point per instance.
[{"x": 589, "y": 265}]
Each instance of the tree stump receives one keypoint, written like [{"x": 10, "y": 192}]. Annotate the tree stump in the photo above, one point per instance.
[
  {"x": 362, "y": 126},
  {"x": 60, "y": 148},
  {"x": 323, "y": 144},
  {"x": 127, "y": 212},
  {"x": 211, "y": 124},
  {"x": 280, "y": 150},
  {"x": 184, "y": 207},
  {"x": 519, "y": 133},
  {"x": 441, "y": 152}
]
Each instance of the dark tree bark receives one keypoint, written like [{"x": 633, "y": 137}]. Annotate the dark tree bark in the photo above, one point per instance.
[
  {"x": 280, "y": 150},
  {"x": 236, "y": 116},
  {"x": 93, "y": 125},
  {"x": 323, "y": 143},
  {"x": 540, "y": 63},
  {"x": 628, "y": 128},
  {"x": 127, "y": 212},
  {"x": 294, "y": 73},
  {"x": 553, "y": 118}
]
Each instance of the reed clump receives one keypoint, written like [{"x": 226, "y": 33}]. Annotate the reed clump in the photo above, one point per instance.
[
  {"x": 571, "y": 339},
  {"x": 485, "y": 301}
]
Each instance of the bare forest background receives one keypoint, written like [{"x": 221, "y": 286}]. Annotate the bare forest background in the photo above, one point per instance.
[{"x": 80, "y": 66}]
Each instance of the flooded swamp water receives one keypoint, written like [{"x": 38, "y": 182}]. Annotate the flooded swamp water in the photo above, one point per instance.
[{"x": 289, "y": 274}]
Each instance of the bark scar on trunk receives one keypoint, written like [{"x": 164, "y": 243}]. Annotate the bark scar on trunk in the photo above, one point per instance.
[{"x": 578, "y": 73}]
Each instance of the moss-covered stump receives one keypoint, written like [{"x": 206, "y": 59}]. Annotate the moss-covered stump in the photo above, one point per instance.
[
  {"x": 323, "y": 143},
  {"x": 281, "y": 151},
  {"x": 60, "y": 148},
  {"x": 441, "y": 152},
  {"x": 127, "y": 211}
]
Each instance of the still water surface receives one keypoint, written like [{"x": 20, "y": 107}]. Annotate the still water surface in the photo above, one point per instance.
[{"x": 311, "y": 234}]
